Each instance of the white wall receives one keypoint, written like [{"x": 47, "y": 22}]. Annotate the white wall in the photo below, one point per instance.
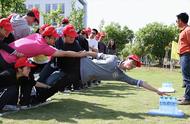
[{"x": 42, "y": 6}]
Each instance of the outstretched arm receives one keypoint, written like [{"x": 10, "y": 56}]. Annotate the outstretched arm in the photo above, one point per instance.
[
  {"x": 10, "y": 50},
  {"x": 125, "y": 78},
  {"x": 61, "y": 53},
  {"x": 149, "y": 87}
]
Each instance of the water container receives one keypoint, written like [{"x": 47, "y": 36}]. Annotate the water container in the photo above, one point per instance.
[
  {"x": 165, "y": 104},
  {"x": 161, "y": 104}
]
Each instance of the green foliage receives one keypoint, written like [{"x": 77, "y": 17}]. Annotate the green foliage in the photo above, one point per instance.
[
  {"x": 120, "y": 35},
  {"x": 154, "y": 37},
  {"x": 132, "y": 49},
  {"x": 53, "y": 16},
  {"x": 102, "y": 22},
  {"x": 76, "y": 16},
  {"x": 12, "y": 6}
]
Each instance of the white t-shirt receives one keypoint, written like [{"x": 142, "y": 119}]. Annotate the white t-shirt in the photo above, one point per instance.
[{"x": 92, "y": 43}]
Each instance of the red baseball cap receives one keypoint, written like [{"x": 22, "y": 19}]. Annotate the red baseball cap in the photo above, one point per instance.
[
  {"x": 136, "y": 59},
  {"x": 70, "y": 31},
  {"x": 36, "y": 14},
  {"x": 42, "y": 28},
  {"x": 65, "y": 21},
  {"x": 88, "y": 30},
  {"x": 50, "y": 31},
  {"x": 5, "y": 23},
  {"x": 21, "y": 62}
]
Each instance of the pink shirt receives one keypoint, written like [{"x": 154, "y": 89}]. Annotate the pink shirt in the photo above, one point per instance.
[{"x": 30, "y": 46}]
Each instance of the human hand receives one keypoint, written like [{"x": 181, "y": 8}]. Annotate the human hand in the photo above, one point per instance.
[
  {"x": 162, "y": 93},
  {"x": 19, "y": 54},
  {"x": 83, "y": 53}
]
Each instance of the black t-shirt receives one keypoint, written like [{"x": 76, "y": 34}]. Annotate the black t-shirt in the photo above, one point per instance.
[
  {"x": 69, "y": 65},
  {"x": 102, "y": 47},
  {"x": 8, "y": 78},
  {"x": 83, "y": 42},
  {"x": 4, "y": 43}
]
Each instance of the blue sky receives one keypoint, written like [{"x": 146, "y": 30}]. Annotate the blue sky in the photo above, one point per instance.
[{"x": 135, "y": 13}]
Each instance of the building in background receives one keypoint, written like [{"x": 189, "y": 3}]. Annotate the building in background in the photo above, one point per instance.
[{"x": 46, "y": 6}]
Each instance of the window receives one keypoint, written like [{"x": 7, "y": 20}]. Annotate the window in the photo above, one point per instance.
[
  {"x": 54, "y": 6},
  {"x": 63, "y": 7},
  {"x": 48, "y": 8}
]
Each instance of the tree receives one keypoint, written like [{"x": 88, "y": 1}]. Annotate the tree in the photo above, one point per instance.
[
  {"x": 12, "y": 6},
  {"x": 120, "y": 35},
  {"x": 54, "y": 16},
  {"x": 102, "y": 22},
  {"x": 76, "y": 16},
  {"x": 154, "y": 37}
]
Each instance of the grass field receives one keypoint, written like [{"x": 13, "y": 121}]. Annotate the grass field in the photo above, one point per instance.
[{"x": 109, "y": 103}]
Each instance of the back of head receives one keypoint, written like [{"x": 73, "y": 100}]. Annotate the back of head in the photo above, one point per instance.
[
  {"x": 34, "y": 13},
  {"x": 42, "y": 28},
  {"x": 184, "y": 17},
  {"x": 65, "y": 21},
  {"x": 50, "y": 31}
]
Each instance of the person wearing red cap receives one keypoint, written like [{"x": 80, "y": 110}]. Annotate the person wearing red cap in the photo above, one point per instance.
[
  {"x": 109, "y": 67},
  {"x": 64, "y": 64},
  {"x": 65, "y": 21},
  {"x": 101, "y": 45},
  {"x": 37, "y": 44},
  {"x": 82, "y": 39},
  {"x": 5, "y": 30},
  {"x": 12, "y": 78},
  {"x": 106, "y": 67},
  {"x": 40, "y": 60},
  {"x": 21, "y": 25}
]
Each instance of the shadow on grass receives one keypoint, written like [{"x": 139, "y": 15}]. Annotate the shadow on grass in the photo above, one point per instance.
[
  {"x": 109, "y": 90},
  {"x": 1, "y": 122},
  {"x": 68, "y": 110}
]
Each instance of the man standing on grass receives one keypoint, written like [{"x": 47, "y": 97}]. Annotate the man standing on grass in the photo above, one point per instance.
[{"x": 184, "y": 53}]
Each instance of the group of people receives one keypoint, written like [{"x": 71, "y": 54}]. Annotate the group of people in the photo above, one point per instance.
[{"x": 71, "y": 58}]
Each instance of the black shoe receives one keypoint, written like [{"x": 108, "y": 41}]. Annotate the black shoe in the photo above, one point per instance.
[{"x": 183, "y": 86}]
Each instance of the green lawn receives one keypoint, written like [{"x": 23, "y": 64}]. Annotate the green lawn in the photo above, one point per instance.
[{"x": 109, "y": 103}]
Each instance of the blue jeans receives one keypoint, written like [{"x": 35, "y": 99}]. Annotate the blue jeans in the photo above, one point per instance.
[
  {"x": 50, "y": 75},
  {"x": 185, "y": 68},
  {"x": 54, "y": 77}
]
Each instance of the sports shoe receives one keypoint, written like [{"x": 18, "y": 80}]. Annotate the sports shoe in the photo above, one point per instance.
[
  {"x": 184, "y": 102},
  {"x": 181, "y": 99}
]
